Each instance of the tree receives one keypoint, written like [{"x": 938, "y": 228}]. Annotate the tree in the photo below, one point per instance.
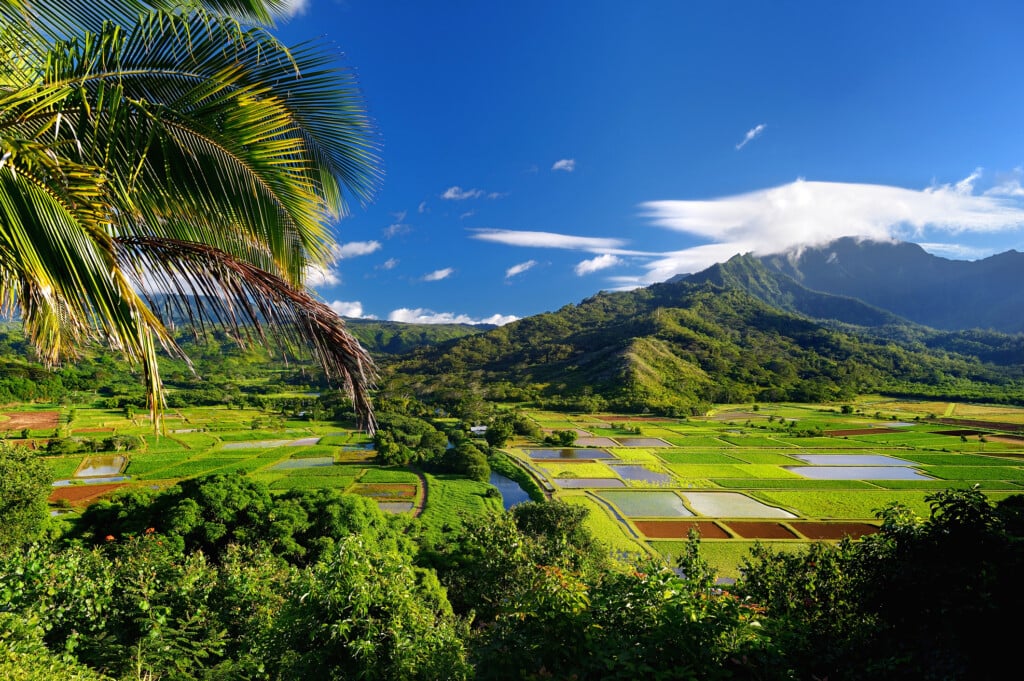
[
  {"x": 24, "y": 488},
  {"x": 174, "y": 161}
]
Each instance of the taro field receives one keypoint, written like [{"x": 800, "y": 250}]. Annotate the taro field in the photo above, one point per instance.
[
  {"x": 782, "y": 475},
  {"x": 286, "y": 454}
]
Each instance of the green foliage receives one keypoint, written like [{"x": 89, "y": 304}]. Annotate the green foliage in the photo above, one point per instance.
[
  {"x": 920, "y": 599},
  {"x": 211, "y": 513},
  {"x": 24, "y": 487},
  {"x": 361, "y": 613}
]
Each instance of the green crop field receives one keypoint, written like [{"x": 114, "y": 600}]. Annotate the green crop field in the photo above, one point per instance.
[{"x": 735, "y": 451}]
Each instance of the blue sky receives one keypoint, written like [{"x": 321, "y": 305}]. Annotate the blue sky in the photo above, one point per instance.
[{"x": 538, "y": 152}]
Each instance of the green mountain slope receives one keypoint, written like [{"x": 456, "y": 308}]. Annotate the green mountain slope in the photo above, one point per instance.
[
  {"x": 392, "y": 338},
  {"x": 674, "y": 347}
]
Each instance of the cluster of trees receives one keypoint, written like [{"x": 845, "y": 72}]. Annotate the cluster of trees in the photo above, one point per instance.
[
  {"x": 217, "y": 578},
  {"x": 403, "y": 439}
]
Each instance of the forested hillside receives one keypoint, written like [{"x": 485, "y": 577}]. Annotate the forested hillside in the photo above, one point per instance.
[{"x": 676, "y": 346}]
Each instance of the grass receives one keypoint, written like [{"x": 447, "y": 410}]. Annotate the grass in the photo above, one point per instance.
[
  {"x": 606, "y": 528},
  {"x": 854, "y": 505}
]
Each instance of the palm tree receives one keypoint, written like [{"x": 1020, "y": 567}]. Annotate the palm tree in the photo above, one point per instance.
[{"x": 179, "y": 151}]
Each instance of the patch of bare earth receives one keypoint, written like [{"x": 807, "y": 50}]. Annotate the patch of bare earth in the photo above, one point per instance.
[
  {"x": 82, "y": 495},
  {"x": 36, "y": 420},
  {"x": 761, "y": 530},
  {"x": 813, "y": 530}
]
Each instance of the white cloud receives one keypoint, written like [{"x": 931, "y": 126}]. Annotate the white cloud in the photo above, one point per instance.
[
  {"x": 352, "y": 309},
  {"x": 293, "y": 8},
  {"x": 751, "y": 134},
  {"x": 1008, "y": 188},
  {"x": 814, "y": 213},
  {"x": 321, "y": 276},
  {"x": 566, "y": 164},
  {"x": 601, "y": 262},
  {"x": 388, "y": 264},
  {"x": 457, "y": 193},
  {"x": 355, "y": 248},
  {"x": 467, "y": 214},
  {"x": 966, "y": 185},
  {"x": 394, "y": 230},
  {"x": 551, "y": 240},
  {"x": 438, "y": 275},
  {"x": 519, "y": 269},
  {"x": 956, "y": 251},
  {"x": 422, "y": 208},
  {"x": 421, "y": 315}
]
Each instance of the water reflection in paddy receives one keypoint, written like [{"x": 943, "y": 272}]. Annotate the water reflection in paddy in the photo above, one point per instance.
[
  {"x": 641, "y": 474},
  {"x": 108, "y": 464}
]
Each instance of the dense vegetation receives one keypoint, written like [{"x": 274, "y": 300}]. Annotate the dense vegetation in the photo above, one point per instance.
[
  {"x": 217, "y": 578},
  {"x": 675, "y": 348}
]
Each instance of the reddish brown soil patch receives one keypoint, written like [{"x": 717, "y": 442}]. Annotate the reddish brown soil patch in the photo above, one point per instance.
[
  {"x": 834, "y": 530},
  {"x": 761, "y": 530},
  {"x": 976, "y": 423},
  {"x": 385, "y": 490},
  {"x": 36, "y": 420},
  {"x": 680, "y": 529},
  {"x": 82, "y": 495},
  {"x": 860, "y": 431}
]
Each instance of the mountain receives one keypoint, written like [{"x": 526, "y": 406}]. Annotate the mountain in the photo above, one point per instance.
[
  {"x": 393, "y": 338},
  {"x": 677, "y": 346},
  {"x": 902, "y": 278}
]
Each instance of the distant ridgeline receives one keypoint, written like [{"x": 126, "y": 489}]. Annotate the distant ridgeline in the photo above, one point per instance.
[{"x": 741, "y": 331}]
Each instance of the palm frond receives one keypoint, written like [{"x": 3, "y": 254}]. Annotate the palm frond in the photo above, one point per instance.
[{"x": 209, "y": 285}]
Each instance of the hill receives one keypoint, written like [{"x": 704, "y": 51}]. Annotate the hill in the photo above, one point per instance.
[
  {"x": 393, "y": 338},
  {"x": 677, "y": 346},
  {"x": 902, "y": 278}
]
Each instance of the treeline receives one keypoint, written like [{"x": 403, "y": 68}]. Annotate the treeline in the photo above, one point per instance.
[{"x": 216, "y": 578}]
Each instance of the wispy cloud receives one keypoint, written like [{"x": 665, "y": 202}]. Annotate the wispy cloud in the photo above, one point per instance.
[
  {"x": 457, "y": 193},
  {"x": 293, "y": 8},
  {"x": 391, "y": 231},
  {"x": 352, "y": 309},
  {"x": 550, "y": 240},
  {"x": 956, "y": 251},
  {"x": 601, "y": 262},
  {"x": 751, "y": 134},
  {"x": 519, "y": 269},
  {"x": 321, "y": 276},
  {"x": 422, "y": 208},
  {"x": 355, "y": 248},
  {"x": 566, "y": 165},
  {"x": 438, "y": 275},
  {"x": 467, "y": 214},
  {"x": 421, "y": 315},
  {"x": 806, "y": 213},
  {"x": 388, "y": 264}
]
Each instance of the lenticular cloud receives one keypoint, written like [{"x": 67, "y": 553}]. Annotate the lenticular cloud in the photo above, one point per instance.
[{"x": 804, "y": 213}]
